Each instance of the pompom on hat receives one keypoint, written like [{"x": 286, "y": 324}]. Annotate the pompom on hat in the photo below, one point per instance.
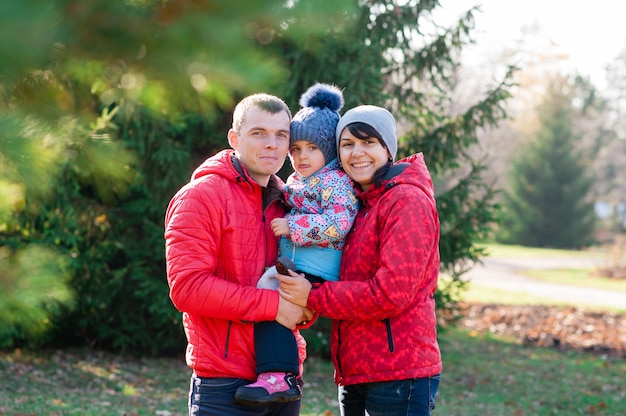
[
  {"x": 377, "y": 117},
  {"x": 317, "y": 120}
]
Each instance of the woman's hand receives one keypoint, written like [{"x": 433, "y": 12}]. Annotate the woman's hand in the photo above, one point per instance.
[{"x": 294, "y": 288}]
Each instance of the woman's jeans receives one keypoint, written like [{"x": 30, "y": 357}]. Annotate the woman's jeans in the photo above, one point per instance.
[
  {"x": 216, "y": 396},
  {"x": 415, "y": 397}
]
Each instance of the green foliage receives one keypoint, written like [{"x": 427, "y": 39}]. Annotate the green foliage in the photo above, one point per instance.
[
  {"x": 25, "y": 303},
  {"x": 549, "y": 202},
  {"x": 48, "y": 160},
  {"x": 318, "y": 338},
  {"x": 113, "y": 240},
  {"x": 122, "y": 100}
]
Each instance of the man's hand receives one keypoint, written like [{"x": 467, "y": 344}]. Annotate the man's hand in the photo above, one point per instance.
[
  {"x": 289, "y": 314},
  {"x": 294, "y": 288},
  {"x": 280, "y": 226}
]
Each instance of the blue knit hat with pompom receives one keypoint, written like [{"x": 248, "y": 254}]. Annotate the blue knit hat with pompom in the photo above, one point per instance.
[{"x": 317, "y": 120}]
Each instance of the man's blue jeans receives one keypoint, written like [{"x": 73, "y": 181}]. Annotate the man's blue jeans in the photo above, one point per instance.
[
  {"x": 414, "y": 397},
  {"x": 216, "y": 396}
]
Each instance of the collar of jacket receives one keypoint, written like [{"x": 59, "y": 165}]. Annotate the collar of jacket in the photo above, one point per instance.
[
  {"x": 388, "y": 182},
  {"x": 242, "y": 174}
]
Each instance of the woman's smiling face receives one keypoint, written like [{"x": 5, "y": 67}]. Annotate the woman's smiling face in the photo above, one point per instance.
[{"x": 361, "y": 158}]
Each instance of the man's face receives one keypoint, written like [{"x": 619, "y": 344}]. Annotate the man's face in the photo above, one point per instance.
[{"x": 262, "y": 143}]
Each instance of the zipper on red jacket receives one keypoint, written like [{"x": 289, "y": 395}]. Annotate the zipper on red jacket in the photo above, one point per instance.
[
  {"x": 230, "y": 324},
  {"x": 389, "y": 334},
  {"x": 264, "y": 208},
  {"x": 339, "y": 370},
  {"x": 265, "y": 204},
  {"x": 267, "y": 243}
]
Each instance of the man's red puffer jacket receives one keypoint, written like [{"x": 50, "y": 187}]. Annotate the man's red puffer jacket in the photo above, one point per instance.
[{"x": 218, "y": 242}]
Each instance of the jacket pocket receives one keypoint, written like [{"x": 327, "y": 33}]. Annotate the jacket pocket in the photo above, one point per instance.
[
  {"x": 389, "y": 334},
  {"x": 230, "y": 324}
]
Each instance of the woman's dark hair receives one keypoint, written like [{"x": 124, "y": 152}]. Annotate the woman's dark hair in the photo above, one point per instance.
[{"x": 364, "y": 131}]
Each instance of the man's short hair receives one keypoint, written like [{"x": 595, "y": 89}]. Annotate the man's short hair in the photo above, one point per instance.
[{"x": 265, "y": 102}]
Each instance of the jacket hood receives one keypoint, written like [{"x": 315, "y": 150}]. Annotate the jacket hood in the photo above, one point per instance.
[
  {"x": 220, "y": 164},
  {"x": 225, "y": 164}
]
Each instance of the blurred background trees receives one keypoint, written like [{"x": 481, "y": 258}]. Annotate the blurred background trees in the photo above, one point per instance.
[
  {"x": 549, "y": 202},
  {"x": 596, "y": 124}
]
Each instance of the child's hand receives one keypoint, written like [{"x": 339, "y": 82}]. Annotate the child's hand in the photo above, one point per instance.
[{"x": 280, "y": 226}]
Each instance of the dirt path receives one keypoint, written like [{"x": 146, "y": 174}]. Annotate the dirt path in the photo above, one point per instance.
[{"x": 505, "y": 274}]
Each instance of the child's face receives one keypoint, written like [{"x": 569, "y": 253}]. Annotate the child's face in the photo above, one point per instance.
[{"x": 306, "y": 158}]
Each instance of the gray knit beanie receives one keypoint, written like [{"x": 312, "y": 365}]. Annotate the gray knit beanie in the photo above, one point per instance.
[
  {"x": 377, "y": 117},
  {"x": 317, "y": 120}
]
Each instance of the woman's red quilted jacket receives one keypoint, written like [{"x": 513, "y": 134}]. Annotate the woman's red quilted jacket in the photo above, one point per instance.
[
  {"x": 383, "y": 310},
  {"x": 218, "y": 242}
]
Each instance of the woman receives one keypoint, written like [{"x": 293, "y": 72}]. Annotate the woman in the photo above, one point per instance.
[{"x": 384, "y": 341}]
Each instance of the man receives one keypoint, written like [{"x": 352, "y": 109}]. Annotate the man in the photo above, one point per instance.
[{"x": 218, "y": 242}]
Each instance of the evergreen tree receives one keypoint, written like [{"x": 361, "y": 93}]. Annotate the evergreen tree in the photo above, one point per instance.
[
  {"x": 549, "y": 204},
  {"x": 145, "y": 89}
]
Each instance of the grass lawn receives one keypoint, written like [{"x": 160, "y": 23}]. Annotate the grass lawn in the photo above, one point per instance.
[
  {"x": 483, "y": 375},
  {"x": 90, "y": 383}
]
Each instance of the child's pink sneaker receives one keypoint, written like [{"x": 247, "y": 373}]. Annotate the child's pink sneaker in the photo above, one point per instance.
[{"x": 269, "y": 387}]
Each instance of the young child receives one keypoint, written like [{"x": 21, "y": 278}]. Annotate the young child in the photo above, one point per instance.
[{"x": 323, "y": 208}]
